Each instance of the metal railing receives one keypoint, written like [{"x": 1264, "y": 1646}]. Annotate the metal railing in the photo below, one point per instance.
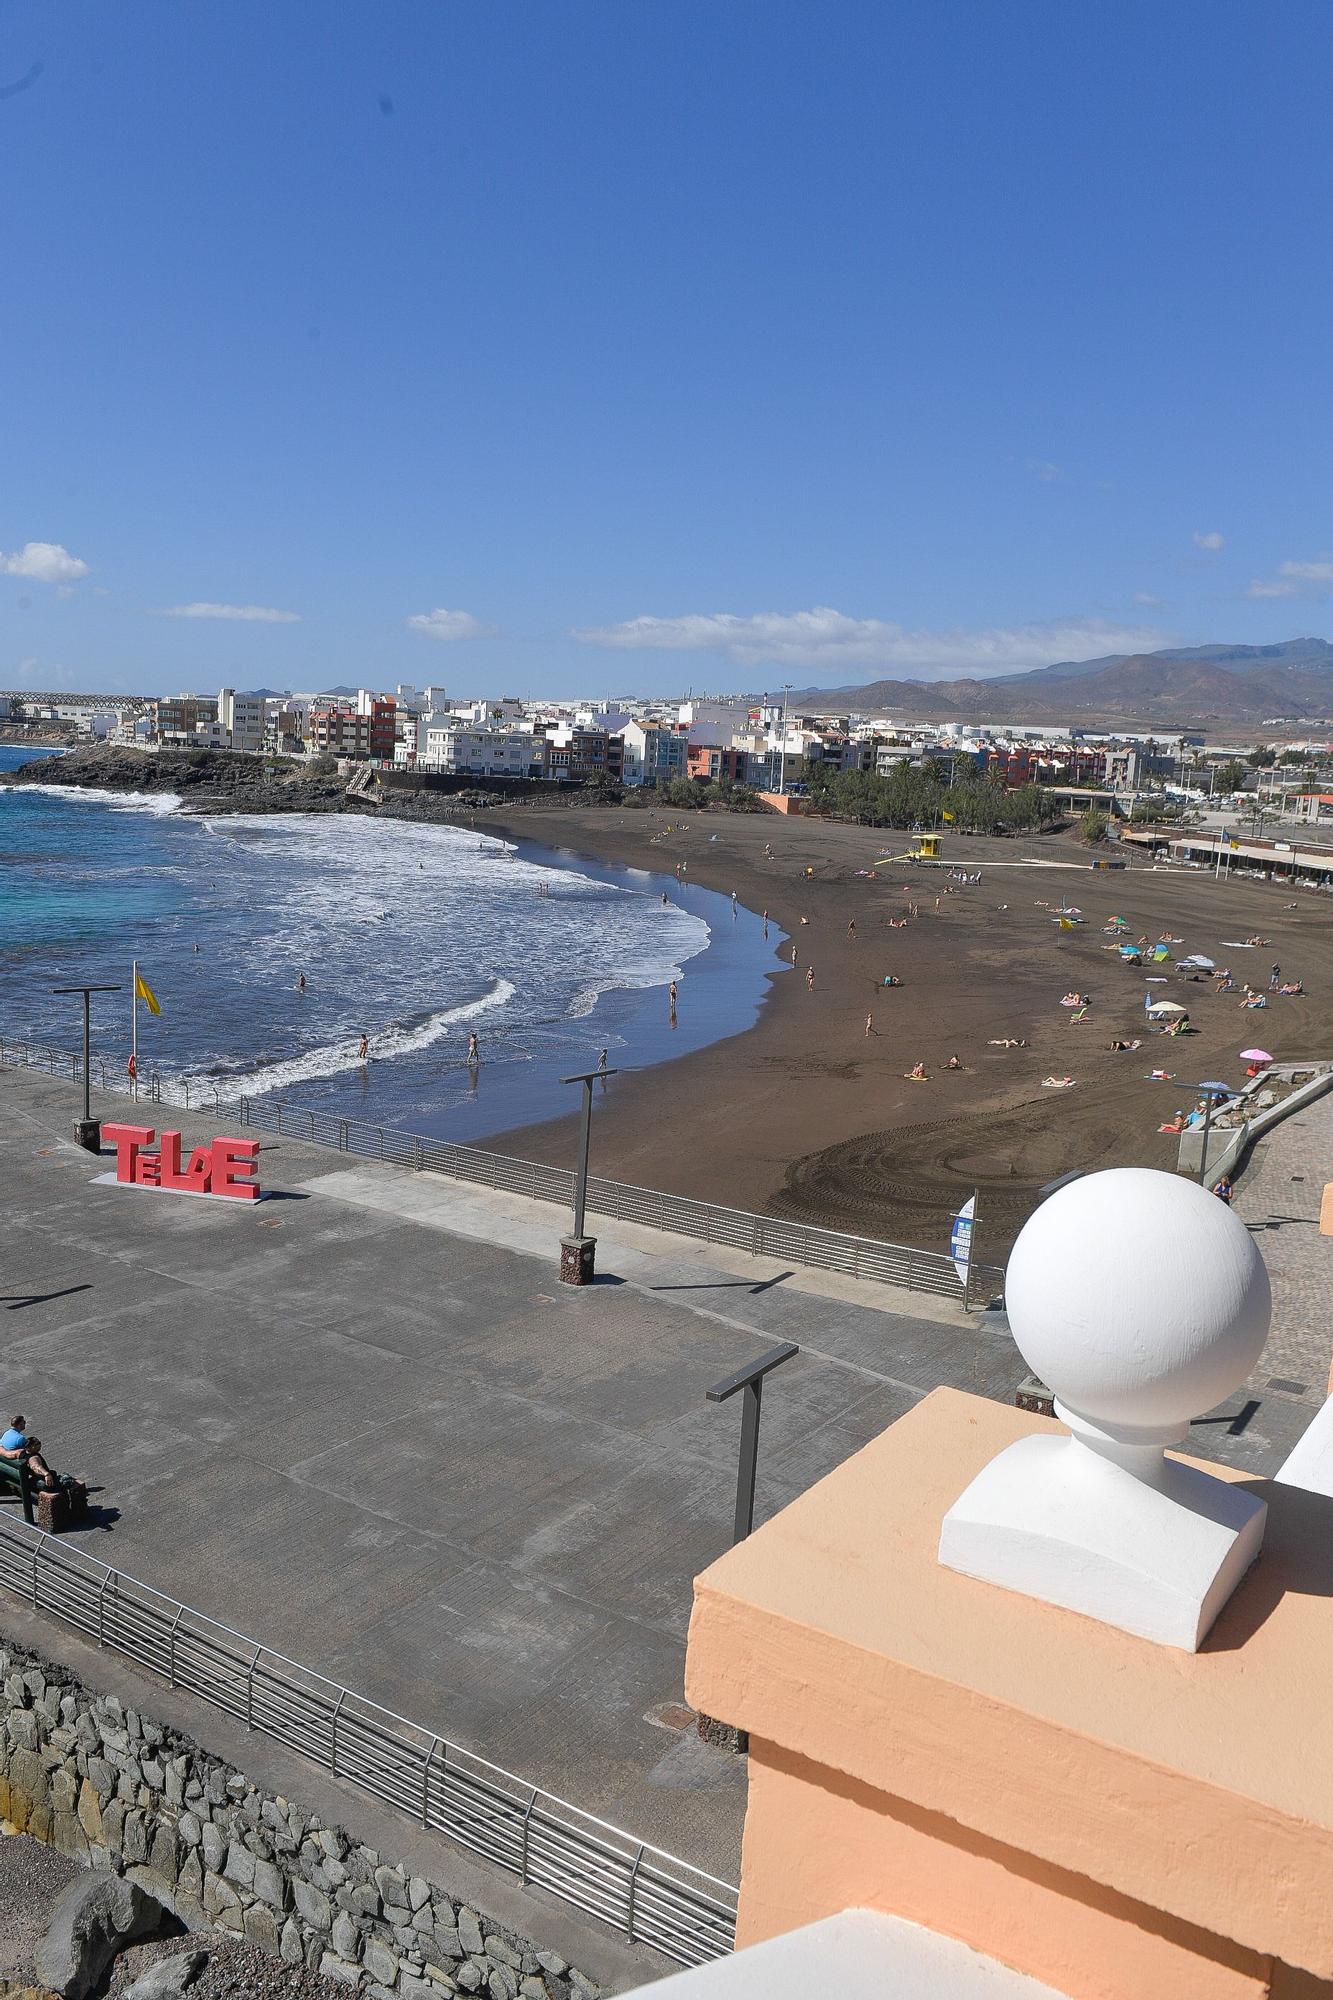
[
  {"x": 760, "y": 1235},
  {"x": 649, "y": 1896}
]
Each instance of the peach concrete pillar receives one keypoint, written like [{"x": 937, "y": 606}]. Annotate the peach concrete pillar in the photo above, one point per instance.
[{"x": 1120, "y": 1819}]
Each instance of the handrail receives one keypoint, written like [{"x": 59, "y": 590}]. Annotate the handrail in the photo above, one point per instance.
[
  {"x": 807, "y": 1243},
  {"x": 649, "y": 1895}
]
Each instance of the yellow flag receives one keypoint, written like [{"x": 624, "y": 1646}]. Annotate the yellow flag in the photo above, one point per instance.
[{"x": 143, "y": 991}]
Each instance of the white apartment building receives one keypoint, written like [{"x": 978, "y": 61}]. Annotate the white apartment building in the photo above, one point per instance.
[
  {"x": 498, "y": 753},
  {"x": 506, "y": 714},
  {"x": 653, "y": 749},
  {"x": 242, "y": 716}
]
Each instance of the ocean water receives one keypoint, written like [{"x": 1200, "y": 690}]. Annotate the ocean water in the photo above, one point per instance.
[{"x": 412, "y": 935}]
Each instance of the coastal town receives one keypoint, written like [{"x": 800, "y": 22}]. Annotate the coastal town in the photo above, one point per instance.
[{"x": 760, "y": 743}]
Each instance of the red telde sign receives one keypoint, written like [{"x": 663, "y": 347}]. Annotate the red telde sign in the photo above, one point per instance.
[{"x": 226, "y": 1166}]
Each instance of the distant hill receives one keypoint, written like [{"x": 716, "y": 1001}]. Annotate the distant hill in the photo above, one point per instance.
[{"x": 1179, "y": 687}]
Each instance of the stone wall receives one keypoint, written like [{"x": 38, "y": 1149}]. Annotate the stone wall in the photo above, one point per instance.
[{"x": 116, "y": 1789}]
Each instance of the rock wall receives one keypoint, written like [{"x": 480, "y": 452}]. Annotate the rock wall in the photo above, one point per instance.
[{"x": 113, "y": 1788}]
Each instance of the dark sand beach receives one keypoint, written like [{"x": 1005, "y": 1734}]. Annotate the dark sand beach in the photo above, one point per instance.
[{"x": 806, "y": 1115}]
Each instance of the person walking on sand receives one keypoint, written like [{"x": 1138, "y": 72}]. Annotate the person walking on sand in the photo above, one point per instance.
[
  {"x": 851, "y": 928},
  {"x": 810, "y": 977},
  {"x": 1274, "y": 977},
  {"x": 870, "y": 1024}
]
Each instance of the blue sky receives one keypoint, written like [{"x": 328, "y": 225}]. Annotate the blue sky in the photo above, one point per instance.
[{"x": 565, "y": 348}]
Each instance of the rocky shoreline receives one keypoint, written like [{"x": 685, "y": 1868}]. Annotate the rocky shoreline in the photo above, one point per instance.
[{"x": 212, "y": 782}]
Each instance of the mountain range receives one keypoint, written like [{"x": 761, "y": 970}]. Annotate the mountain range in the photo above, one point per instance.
[{"x": 1180, "y": 687}]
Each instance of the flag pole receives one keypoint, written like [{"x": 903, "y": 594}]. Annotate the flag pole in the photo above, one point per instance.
[{"x": 134, "y": 1027}]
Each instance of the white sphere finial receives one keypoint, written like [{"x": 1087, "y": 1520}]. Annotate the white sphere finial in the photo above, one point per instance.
[
  {"x": 1142, "y": 1301},
  {"x": 1139, "y": 1298}
]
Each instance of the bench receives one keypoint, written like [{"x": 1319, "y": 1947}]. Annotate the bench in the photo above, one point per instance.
[{"x": 41, "y": 1507}]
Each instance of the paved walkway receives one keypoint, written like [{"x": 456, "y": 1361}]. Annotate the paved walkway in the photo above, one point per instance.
[
  {"x": 1278, "y": 1199},
  {"x": 365, "y": 1423}
]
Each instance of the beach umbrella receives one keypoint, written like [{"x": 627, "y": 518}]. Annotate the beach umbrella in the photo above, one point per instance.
[
  {"x": 1167, "y": 1007},
  {"x": 1215, "y": 1089},
  {"x": 1255, "y": 1055},
  {"x": 1196, "y": 958}
]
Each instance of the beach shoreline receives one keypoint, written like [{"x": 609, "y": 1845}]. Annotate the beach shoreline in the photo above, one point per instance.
[
  {"x": 808, "y": 1109},
  {"x": 806, "y": 1115}
]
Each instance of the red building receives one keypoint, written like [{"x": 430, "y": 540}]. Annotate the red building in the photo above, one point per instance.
[
  {"x": 383, "y": 727},
  {"x": 715, "y": 761}
]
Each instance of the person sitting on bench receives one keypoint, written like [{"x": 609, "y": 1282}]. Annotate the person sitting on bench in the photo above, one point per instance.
[{"x": 17, "y": 1447}]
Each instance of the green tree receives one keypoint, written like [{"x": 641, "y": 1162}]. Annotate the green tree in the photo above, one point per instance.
[
  {"x": 1094, "y": 824},
  {"x": 1229, "y": 777}
]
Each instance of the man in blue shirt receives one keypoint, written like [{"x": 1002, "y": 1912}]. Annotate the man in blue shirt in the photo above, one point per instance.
[{"x": 15, "y": 1444}]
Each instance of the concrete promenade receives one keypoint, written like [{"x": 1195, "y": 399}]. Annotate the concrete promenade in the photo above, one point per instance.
[
  {"x": 364, "y": 1423},
  {"x": 1278, "y": 1199}
]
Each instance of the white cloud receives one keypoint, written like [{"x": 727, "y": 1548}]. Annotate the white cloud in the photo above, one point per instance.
[
  {"x": 1147, "y": 600},
  {"x": 1045, "y": 469},
  {"x": 250, "y": 614},
  {"x": 828, "y": 640},
  {"x": 1212, "y": 540},
  {"x": 442, "y": 624},
  {"x": 1296, "y": 579},
  {"x": 44, "y": 562}
]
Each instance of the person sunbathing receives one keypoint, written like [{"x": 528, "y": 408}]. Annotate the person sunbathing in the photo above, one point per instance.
[
  {"x": 1254, "y": 1000},
  {"x": 1072, "y": 1000},
  {"x": 1006, "y": 1042},
  {"x": 1057, "y": 1083},
  {"x": 917, "y": 1074},
  {"x": 1121, "y": 1047},
  {"x": 1176, "y": 1124},
  {"x": 953, "y": 1063},
  {"x": 1291, "y": 986}
]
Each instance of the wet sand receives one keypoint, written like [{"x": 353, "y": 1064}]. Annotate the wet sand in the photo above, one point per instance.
[{"x": 806, "y": 1115}]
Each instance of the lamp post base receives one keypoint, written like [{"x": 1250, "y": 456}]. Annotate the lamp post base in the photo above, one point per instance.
[
  {"x": 578, "y": 1255},
  {"x": 88, "y": 1134}
]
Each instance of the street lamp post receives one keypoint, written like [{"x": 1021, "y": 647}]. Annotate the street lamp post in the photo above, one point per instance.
[
  {"x": 578, "y": 1253},
  {"x": 87, "y": 1130},
  {"x": 751, "y": 1380}
]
